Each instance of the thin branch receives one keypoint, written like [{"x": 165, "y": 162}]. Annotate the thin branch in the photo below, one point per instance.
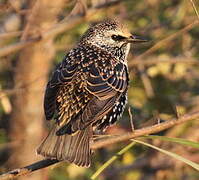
[
  {"x": 195, "y": 9},
  {"x": 145, "y": 131},
  {"x": 104, "y": 143},
  {"x": 17, "y": 46},
  {"x": 10, "y": 34},
  {"x": 131, "y": 119}
]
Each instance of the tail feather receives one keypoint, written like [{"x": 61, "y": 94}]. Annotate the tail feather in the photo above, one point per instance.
[{"x": 73, "y": 148}]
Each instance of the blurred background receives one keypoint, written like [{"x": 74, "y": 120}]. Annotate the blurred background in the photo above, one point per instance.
[{"x": 34, "y": 37}]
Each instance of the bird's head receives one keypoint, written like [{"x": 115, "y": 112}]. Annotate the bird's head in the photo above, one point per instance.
[{"x": 110, "y": 34}]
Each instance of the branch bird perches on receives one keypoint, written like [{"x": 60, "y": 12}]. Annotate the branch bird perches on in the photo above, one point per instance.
[{"x": 103, "y": 143}]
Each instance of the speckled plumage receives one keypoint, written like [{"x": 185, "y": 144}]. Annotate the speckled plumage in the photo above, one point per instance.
[{"x": 88, "y": 88}]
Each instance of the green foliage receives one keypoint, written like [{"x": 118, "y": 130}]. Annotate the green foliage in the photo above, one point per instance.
[
  {"x": 110, "y": 161},
  {"x": 173, "y": 155},
  {"x": 176, "y": 140}
]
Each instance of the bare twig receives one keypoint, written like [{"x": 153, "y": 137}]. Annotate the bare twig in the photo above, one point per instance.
[
  {"x": 80, "y": 8},
  {"x": 104, "y": 143},
  {"x": 10, "y": 34},
  {"x": 195, "y": 9},
  {"x": 131, "y": 119},
  {"x": 17, "y": 46}
]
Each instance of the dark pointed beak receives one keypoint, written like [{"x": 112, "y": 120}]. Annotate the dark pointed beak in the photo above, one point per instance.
[{"x": 136, "y": 39}]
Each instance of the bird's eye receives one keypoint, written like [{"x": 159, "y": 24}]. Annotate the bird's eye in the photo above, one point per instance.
[{"x": 117, "y": 37}]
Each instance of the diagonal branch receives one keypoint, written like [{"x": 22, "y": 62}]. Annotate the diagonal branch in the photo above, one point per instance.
[
  {"x": 104, "y": 143},
  {"x": 145, "y": 131},
  {"x": 10, "y": 34}
]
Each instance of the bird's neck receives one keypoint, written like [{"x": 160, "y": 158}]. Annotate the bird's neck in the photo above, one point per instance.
[{"x": 120, "y": 53}]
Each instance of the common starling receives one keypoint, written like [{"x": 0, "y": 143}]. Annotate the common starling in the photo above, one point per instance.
[{"x": 88, "y": 89}]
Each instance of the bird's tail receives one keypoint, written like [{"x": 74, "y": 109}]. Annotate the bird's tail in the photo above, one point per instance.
[{"x": 73, "y": 148}]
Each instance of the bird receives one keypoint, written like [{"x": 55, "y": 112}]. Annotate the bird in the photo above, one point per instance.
[{"x": 87, "y": 91}]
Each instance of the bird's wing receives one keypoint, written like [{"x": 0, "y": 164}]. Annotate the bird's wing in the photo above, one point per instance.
[
  {"x": 106, "y": 78},
  {"x": 63, "y": 75},
  {"x": 86, "y": 90}
]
